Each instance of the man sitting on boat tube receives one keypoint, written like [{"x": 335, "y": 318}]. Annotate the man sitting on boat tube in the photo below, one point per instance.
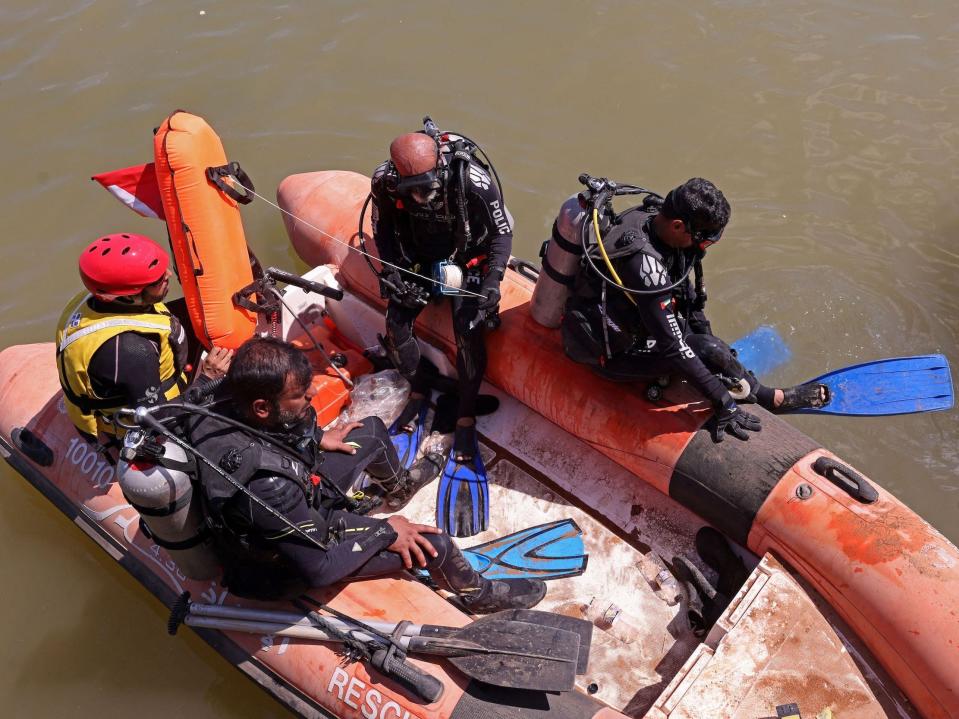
[
  {"x": 282, "y": 532},
  {"x": 438, "y": 213},
  {"x": 118, "y": 345},
  {"x": 635, "y": 307}
]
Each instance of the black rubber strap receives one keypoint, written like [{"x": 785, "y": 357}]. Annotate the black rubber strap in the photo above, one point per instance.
[
  {"x": 166, "y": 511},
  {"x": 565, "y": 244},
  {"x": 847, "y": 479},
  {"x": 232, "y": 169},
  {"x": 193, "y": 541},
  {"x": 556, "y": 275}
]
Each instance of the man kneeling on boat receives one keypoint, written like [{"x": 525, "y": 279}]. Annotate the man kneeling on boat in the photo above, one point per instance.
[
  {"x": 118, "y": 345},
  {"x": 636, "y": 314},
  {"x": 284, "y": 529}
]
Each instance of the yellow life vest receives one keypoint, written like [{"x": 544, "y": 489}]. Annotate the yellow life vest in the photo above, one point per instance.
[{"x": 80, "y": 333}]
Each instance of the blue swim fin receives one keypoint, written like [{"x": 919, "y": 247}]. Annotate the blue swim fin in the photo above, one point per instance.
[
  {"x": 462, "y": 500},
  {"x": 408, "y": 443},
  {"x": 548, "y": 551},
  {"x": 762, "y": 350},
  {"x": 900, "y": 385}
]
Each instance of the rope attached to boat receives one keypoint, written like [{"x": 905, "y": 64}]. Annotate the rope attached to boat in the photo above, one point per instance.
[{"x": 458, "y": 290}]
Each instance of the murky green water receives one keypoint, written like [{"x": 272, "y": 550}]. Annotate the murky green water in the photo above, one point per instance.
[{"x": 831, "y": 127}]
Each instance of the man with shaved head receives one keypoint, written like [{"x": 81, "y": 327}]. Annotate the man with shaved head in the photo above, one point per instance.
[{"x": 442, "y": 230}]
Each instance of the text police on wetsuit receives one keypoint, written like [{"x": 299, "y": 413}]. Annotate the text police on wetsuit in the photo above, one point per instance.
[
  {"x": 423, "y": 215},
  {"x": 651, "y": 332}
]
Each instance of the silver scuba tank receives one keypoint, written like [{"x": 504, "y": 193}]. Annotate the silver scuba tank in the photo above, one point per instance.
[
  {"x": 560, "y": 265},
  {"x": 170, "y": 511}
]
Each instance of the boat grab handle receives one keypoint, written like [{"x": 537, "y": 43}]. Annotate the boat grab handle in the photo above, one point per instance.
[
  {"x": 524, "y": 268},
  {"x": 847, "y": 479}
]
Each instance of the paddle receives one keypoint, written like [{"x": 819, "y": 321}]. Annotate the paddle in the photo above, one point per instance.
[{"x": 495, "y": 650}]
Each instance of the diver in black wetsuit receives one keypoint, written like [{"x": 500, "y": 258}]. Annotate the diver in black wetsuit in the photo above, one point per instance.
[
  {"x": 302, "y": 472},
  {"x": 434, "y": 202},
  {"x": 655, "y": 333}
]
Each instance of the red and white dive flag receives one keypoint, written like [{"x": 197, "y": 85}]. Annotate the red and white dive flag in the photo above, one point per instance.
[{"x": 136, "y": 187}]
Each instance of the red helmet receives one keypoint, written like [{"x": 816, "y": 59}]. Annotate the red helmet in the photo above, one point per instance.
[
  {"x": 122, "y": 264},
  {"x": 413, "y": 154}
]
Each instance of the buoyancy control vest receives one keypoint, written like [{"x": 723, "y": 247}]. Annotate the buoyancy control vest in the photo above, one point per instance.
[
  {"x": 251, "y": 567},
  {"x": 425, "y": 233},
  {"x": 81, "y": 331},
  {"x": 243, "y": 456},
  {"x": 600, "y": 322}
]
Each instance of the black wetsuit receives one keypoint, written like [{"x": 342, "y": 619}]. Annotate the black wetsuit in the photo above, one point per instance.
[
  {"x": 662, "y": 333},
  {"x": 415, "y": 237},
  {"x": 263, "y": 557}
]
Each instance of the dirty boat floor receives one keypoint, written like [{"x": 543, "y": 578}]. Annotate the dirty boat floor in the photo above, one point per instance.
[
  {"x": 633, "y": 659},
  {"x": 648, "y": 662}
]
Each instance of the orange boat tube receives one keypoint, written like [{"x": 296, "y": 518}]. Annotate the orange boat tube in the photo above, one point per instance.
[{"x": 889, "y": 574}]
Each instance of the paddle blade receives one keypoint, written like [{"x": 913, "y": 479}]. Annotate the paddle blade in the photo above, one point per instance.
[
  {"x": 901, "y": 385},
  {"x": 519, "y": 655},
  {"x": 560, "y": 621},
  {"x": 762, "y": 350}
]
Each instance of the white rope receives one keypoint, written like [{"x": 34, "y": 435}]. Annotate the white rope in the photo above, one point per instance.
[{"x": 459, "y": 290}]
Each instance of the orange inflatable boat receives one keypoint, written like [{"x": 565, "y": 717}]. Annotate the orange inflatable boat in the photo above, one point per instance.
[
  {"x": 889, "y": 574},
  {"x": 562, "y": 449}
]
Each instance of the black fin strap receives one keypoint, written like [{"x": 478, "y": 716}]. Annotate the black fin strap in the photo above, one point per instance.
[{"x": 232, "y": 170}]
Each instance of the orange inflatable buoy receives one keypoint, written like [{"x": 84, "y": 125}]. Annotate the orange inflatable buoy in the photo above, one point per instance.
[{"x": 206, "y": 231}]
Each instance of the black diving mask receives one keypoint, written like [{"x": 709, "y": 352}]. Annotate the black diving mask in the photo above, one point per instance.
[
  {"x": 423, "y": 189},
  {"x": 703, "y": 238}
]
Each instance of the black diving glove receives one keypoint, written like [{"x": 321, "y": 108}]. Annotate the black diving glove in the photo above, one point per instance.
[
  {"x": 730, "y": 418},
  {"x": 490, "y": 289},
  {"x": 395, "y": 289}
]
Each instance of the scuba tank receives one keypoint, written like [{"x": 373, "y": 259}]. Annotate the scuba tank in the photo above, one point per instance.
[
  {"x": 561, "y": 262},
  {"x": 156, "y": 478},
  {"x": 575, "y": 235}
]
